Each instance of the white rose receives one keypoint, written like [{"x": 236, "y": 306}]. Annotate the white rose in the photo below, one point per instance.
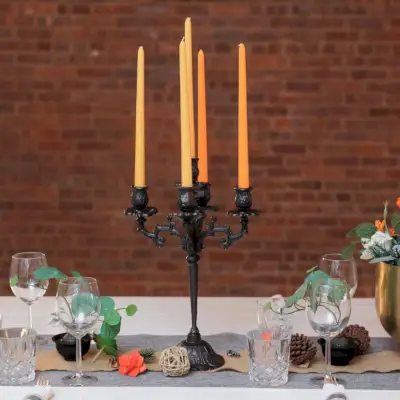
[
  {"x": 366, "y": 255},
  {"x": 382, "y": 239},
  {"x": 365, "y": 243}
]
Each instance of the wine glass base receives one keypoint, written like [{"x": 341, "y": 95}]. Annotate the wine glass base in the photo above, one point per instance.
[
  {"x": 81, "y": 380},
  {"x": 318, "y": 381}
]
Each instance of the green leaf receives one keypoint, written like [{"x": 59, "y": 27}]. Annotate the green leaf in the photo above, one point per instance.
[
  {"x": 131, "y": 310},
  {"x": 382, "y": 259},
  {"x": 110, "y": 331},
  {"x": 112, "y": 317},
  {"x": 84, "y": 303},
  {"x": 76, "y": 274},
  {"x": 108, "y": 345},
  {"x": 365, "y": 230},
  {"x": 13, "y": 280},
  {"x": 297, "y": 295},
  {"x": 347, "y": 252},
  {"x": 395, "y": 221},
  {"x": 48, "y": 273},
  {"x": 312, "y": 269},
  {"x": 267, "y": 306},
  {"x": 338, "y": 290},
  {"x": 107, "y": 304},
  {"x": 352, "y": 234},
  {"x": 316, "y": 275}
]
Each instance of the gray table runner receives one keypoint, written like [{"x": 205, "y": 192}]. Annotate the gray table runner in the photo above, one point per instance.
[{"x": 223, "y": 342}]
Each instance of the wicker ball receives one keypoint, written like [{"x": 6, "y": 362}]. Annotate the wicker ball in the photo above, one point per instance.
[
  {"x": 174, "y": 361},
  {"x": 302, "y": 349},
  {"x": 360, "y": 333}
]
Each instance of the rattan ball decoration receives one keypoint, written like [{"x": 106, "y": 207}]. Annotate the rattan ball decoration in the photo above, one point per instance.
[{"x": 174, "y": 361}]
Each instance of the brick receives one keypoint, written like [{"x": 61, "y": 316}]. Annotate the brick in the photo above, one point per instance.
[{"x": 323, "y": 104}]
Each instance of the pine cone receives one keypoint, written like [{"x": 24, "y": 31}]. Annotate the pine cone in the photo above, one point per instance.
[
  {"x": 302, "y": 349},
  {"x": 360, "y": 333}
]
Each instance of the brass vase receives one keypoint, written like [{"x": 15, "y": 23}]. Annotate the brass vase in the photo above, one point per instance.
[{"x": 387, "y": 298}]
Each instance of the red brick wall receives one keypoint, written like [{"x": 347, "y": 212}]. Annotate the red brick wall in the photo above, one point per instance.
[{"x": 324, "y": 107}]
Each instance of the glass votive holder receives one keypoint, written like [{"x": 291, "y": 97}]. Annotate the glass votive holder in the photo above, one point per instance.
[
  {"x": 269, "y": 353},
  {"x": 17, "y": 355}
]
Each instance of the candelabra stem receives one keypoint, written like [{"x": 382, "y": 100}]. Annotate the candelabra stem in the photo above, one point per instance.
[{"x": 192, "y": 261}]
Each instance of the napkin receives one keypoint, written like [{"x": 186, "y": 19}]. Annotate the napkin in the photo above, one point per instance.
[
  {"x": 46, "y": 393},
  {"x": 329, "y": 390}
]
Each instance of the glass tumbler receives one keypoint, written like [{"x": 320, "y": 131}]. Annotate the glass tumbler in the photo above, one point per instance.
[
  {"x": 269, "y": 351},
  {"x": 17, "y": 355}
]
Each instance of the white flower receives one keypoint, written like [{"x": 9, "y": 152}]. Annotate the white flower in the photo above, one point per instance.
[
  {"x": 277, "y": 303},
  {"x": 365, "y": 242},
  {"x": 381, "y": 239},
  {"x": 366, "y": 255}
]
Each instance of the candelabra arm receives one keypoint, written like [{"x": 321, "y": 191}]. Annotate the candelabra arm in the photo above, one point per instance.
[{"x": 231, "y": 237}]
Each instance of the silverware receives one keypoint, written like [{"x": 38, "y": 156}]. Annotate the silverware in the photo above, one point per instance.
[{"x": 337, "y": 395}]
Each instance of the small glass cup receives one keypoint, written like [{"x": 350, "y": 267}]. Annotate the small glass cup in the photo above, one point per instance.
[
  {"x": 17, "y": 355},
  {"x": 269, "y": 350}
]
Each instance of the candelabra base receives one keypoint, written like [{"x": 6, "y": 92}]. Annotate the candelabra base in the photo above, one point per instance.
[{"x": 202, "y": 356}]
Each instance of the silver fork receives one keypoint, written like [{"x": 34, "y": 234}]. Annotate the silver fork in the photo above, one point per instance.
[
  {"x": 45, "y": 383},
  {"x": 338, "y": 395}
]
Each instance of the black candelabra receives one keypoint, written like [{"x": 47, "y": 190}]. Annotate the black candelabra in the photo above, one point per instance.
[{"x": 191, "y": 227}]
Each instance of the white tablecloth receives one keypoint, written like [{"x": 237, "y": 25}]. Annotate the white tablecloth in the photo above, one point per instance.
[{"x": 171, "y": 316}]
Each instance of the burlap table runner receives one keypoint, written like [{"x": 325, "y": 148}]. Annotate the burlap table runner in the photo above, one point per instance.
[{"x": 376, "y": 361}]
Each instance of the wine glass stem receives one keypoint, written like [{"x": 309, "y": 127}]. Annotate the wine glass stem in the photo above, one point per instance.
[
  {"x": 327, "y": 357},
  {"x": 30, "y": 316},
  {"x": 79, "y": 358}
]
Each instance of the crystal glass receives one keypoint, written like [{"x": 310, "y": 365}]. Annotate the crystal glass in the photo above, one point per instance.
[
  {"x": 22, "y": 281},
  {"x": 269, "y": 350},
  {"x": 328, "y": 311},
  {"x": 78, "y": 309},
  {"x": 17, "y": 356},
  {"x": 338, "y": 267}
]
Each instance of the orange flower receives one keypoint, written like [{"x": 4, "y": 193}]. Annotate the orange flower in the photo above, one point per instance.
[
  {"x": 392, "y": 232},
  {"x": 131, "y": 364},
  {"x": 380, "y": 225},
  {"x": 266, "y": 336},
  {"x": 398, "y": 202}
]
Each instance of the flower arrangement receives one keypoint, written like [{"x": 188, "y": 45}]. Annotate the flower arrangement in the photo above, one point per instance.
[
  {"x": 380, "y": 241},
  {"x": 111, "y": 322}
]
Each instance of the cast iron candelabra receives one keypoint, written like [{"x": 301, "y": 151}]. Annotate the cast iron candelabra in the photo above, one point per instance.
[{"x": 191, "y": 227}]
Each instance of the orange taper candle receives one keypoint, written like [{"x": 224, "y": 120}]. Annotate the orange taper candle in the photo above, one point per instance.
[
  {"x": 139, "y": 139},
  {"x": 189, "y": 78},
  {"x": 201, "y": 119},
  {"x": 243, "y": 145},
  {"x": 186, "y": 163}
]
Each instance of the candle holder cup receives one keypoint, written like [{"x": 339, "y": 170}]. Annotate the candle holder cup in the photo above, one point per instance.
[{"x": 192, "y": 228}]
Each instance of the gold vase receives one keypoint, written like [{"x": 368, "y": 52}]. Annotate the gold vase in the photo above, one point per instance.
[{"x": 387, "y": 298}]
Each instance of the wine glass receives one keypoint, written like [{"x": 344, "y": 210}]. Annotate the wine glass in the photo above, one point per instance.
[
  {"x": 78, "y": 309},
  {"x": 338, "y": 267},
  {"x": 22, "y": 281},
  {"x": 328, "y": 312}
]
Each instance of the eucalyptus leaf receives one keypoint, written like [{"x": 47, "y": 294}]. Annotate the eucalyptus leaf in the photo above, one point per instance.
[
  {"x": 338, "y": 290},
  {"x": 76, "y": 274},
  {"x": 352, "y": 234},
  {"x": 131, "y": 310},
  {"x": 109, "y": 345},
  {"x": 45, "y": 272},
  {"x": 84, "y": 303},
  {"x": 382, "y": 259},
  {"x": 107, "y": 304},
  {"x": 109, "y": 331},
  {"x": 395, "y": 220},
  {"x": 13, "y": 280},
  {"x": 112, "y": 317},
  {"x": 365, "y": 230},
  {"x": 316, "y": 275},
  {"x": 347, "y": 252},
  {"x": 297, "y": 295},
  {"x": 312, "y": 269}
]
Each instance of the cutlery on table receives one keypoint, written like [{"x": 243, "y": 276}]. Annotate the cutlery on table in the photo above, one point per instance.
[{"x": 42, "y": 382}]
